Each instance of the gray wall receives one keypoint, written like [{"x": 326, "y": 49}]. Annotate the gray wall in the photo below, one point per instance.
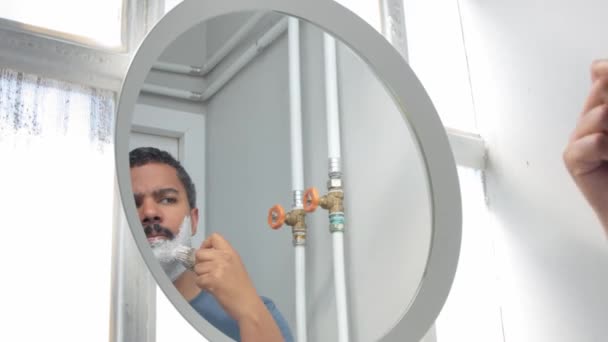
[
  {"x": 529, "y": 65},
  {"x": 187, "y": 49},
  {"x": 248, "y": 166},
  {"x": 248, "y": 171}
]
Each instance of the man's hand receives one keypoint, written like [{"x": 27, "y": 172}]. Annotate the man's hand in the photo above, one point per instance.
[
  {"x": 586, "y": 155},
  {"x": 221, "y": 272}
]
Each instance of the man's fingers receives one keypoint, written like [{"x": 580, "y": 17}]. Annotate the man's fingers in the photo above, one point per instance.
[
  {"x": 596, "y": 121},
  {"x": 587, "y": 153},
  {"x": 216, "y": 241},
  {"x": 206, "y": 244},
  {"x": 207, "y": 254},
  {"x": 202, "y": 268},
  {"x": 215, "y": 255},
  {"x": 599, "y": 68},
  {"x": 599, "y": 89},
  {"x": 598, "y": 94},
  {"x": 211, "y": 278},
  {"x": 206, "y": 282}
]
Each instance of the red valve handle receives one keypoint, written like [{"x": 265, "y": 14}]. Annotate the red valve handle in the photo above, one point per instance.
[
  {"x": 276, "y": 216},
  {"x": 311, "y": 200}
]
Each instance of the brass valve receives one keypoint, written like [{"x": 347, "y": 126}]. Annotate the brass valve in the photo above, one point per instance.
[
  {"x": 296, "y": 218},
  {"x": 333, "y": 201}
]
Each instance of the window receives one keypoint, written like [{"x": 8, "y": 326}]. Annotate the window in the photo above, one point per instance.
[
  {"x": 437, "y": 54},
  {"x": 57, "y": 183},
  {"x": 94, "y": 22}
]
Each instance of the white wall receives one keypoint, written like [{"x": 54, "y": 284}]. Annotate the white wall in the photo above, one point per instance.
[{"x": 529, "y": 62}]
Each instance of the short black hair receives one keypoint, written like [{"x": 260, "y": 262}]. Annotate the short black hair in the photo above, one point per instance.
[{"x": 146, "y": 155}]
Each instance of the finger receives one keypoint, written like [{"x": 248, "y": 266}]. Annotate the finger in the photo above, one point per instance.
[
  {"x": 206, "y": 243},
  {"x": 596, "y": 121},
  {"x": 598, "y": 94},
  {"x": 205, "y": 267},
  {"x": 206, "y": 282},
  {"x": 587, "y": 153},
  {"x": 217, "y": 241},
  {"x": 599, "y": 68},
  {"x": 208, "y": 254}
]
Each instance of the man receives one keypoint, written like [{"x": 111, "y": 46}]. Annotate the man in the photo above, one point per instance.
[
  {"x": 586, "y": 155},
  {"x": 219, "y": 287}
]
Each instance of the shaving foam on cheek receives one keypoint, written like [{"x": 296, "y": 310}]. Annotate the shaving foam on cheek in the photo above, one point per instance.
[{"x": 165, "y": 250}]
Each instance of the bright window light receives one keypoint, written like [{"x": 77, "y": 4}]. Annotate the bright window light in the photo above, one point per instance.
[
  {"x": 438, "y": 57},
  {"x": 96, "y": 20},
  {"x": 57, "y": 199}
]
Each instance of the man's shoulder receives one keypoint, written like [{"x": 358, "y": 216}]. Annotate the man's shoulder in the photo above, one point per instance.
[
  {"x": 279, "y": 319},
  {"x": 268, "y": 302}
]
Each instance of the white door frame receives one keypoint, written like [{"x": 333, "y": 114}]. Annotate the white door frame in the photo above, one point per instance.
[{"x": 133, "y": 309}]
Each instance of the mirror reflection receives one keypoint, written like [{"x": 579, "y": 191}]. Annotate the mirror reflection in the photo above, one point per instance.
[{"x": 278, "y": 184}]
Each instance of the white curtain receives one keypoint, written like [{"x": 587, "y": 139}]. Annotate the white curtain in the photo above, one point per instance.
[{"x": 56, "y": 176}]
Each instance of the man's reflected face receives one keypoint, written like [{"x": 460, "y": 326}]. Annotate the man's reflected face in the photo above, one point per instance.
[{"x": 161, "y": 201}]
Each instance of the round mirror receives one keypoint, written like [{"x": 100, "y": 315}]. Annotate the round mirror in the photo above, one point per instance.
[{"x": 280, "y": 160}]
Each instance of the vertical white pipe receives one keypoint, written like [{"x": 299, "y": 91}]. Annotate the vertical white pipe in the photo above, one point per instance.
[
  {"x": 340, "y": 285},
  {"x": 297, "y": 170},
  {"x": 331, "y": 101},
  {"x": 333, "y": 141},
  {"x": 300, "y": 293}
]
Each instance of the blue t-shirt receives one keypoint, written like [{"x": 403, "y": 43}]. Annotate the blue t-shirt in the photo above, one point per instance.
[{"x": 208, "y": 307}]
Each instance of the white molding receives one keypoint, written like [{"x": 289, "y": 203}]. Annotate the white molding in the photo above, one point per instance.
[
  {"x": 28, "y": 52},
  {"x": 75, "y": 59},
  {"x": 133, "y": 313},
  {"x": 53, "y": 35},
  {"x": 469, "y": 149}
]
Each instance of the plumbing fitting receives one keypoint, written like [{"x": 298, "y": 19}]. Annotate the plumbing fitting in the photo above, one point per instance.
[
  {"x": 333, "y": 201},
  {"x": 296, "y": 218}
]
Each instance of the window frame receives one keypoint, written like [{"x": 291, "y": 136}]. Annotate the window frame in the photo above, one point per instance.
[
  {"x": 72, "y": 38},
  {"x": 73, "y": 58}
]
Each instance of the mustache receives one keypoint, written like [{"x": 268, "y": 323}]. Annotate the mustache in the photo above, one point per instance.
[{"x": 158, "y": 230}]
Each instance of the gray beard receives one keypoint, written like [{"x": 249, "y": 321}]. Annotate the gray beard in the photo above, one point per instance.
[{"x": 164, "y": 250}]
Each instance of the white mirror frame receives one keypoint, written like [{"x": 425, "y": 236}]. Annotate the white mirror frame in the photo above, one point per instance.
[{"x": 405, "y": 89}]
